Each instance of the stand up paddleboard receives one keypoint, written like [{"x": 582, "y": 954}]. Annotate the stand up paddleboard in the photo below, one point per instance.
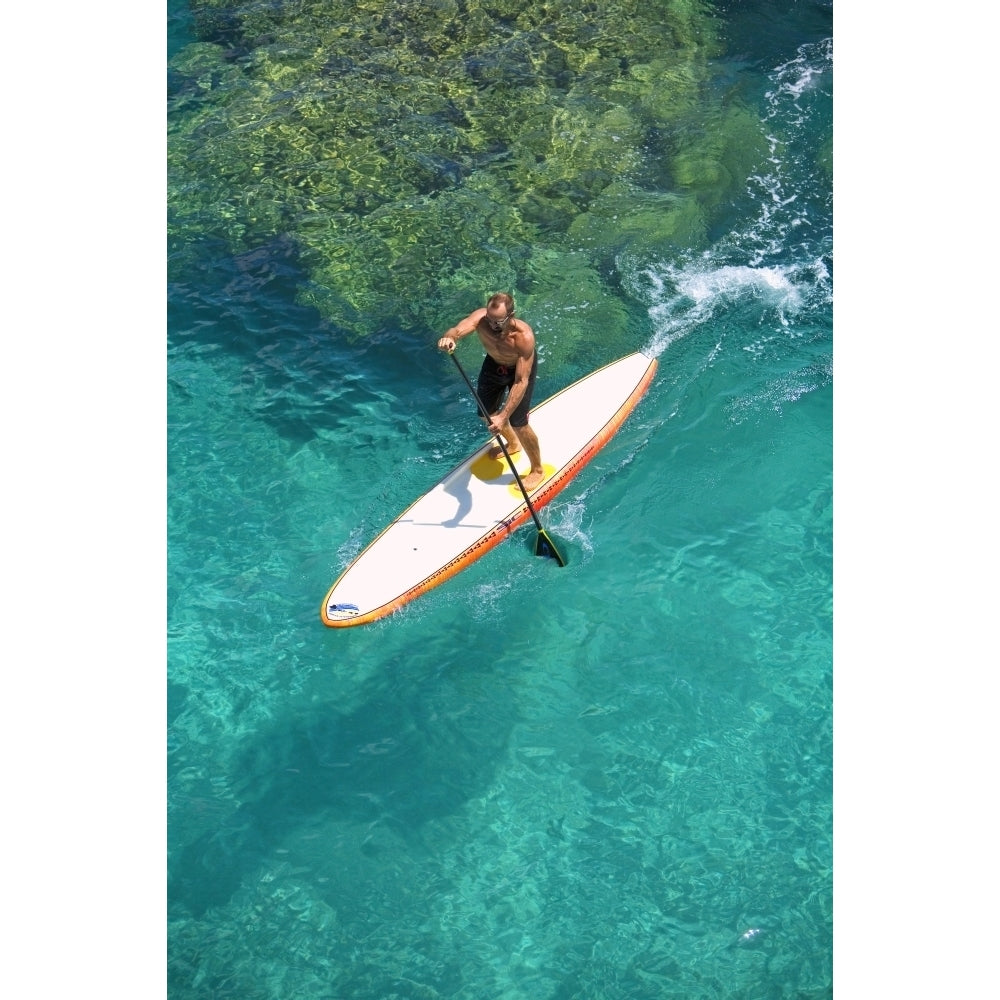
[{"x": 479, "y": 502}]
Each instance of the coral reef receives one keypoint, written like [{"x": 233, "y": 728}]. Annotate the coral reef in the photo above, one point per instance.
[{"x": 433, "y": 151}]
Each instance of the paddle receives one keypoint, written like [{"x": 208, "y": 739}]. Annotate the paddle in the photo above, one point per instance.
[{"x": 543, "y": 544}]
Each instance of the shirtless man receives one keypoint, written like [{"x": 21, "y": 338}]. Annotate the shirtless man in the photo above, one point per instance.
[{"x": 510, "y": 364}]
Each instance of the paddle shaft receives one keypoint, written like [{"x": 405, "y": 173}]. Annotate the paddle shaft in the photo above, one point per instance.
[{"x": 503, "y": 447}]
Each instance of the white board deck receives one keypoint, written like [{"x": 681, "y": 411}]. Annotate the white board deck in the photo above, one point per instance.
[{"x": 478, "y": 503}]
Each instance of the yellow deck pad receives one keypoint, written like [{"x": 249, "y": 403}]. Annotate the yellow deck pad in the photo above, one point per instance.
[{"x": 516, "y": 490}]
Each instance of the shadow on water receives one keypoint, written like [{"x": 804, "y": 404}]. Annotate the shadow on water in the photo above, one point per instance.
[{"x": 395, "y": 761}]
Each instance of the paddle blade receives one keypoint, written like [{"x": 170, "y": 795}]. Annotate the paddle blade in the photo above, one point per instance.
[{"x": 544, "y": 546}]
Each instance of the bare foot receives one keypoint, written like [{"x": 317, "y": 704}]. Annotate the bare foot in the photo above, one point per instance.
[
  {"x": 533, "y": 480},
  {"x": 497, "y": 452}
]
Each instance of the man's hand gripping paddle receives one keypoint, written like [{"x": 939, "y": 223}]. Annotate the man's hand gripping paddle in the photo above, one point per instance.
[{"x": 543, "y": 544}]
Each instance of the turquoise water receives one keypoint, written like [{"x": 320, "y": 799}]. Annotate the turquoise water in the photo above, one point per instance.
[{"x": 610, "y": 780}]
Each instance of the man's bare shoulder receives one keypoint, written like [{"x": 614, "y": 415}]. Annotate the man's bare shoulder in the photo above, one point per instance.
[
  {"x": 524, "y": 337},
  {"x": 471, "y": 322}
]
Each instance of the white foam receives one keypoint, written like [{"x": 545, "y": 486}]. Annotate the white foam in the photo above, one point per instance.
[
  {"x": 803, "y": 73},
  {"x": 683, "y": 298},
  {"x": 775, "y": 261}
]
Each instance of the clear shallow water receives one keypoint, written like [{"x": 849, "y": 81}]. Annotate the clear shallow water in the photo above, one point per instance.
[{"x": 612, "y": 779}]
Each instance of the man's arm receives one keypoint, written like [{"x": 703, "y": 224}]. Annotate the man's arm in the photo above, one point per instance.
[
  {"x": 522, "y": 373},
  {"x": 461, "y": 329}
]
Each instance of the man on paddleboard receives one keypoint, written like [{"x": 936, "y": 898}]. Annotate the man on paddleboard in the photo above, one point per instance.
[{"x": 510, "y": 366}]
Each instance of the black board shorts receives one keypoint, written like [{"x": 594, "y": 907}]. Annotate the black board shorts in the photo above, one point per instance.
[{"x": 495, "y": 379}]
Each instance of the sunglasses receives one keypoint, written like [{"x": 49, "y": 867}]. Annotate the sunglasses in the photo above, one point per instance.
[{"x": 496, "y": 325}]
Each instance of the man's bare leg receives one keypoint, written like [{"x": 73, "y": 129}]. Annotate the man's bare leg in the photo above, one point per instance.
[{"x": 532, "y": 447}]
